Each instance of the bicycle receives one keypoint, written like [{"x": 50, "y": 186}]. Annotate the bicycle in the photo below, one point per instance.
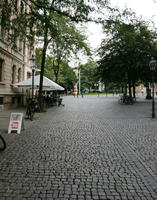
[
  {"x": 2, "y": 143},
  {"x": 125, "y": 99},
  {"x": 30, "y": 108}
]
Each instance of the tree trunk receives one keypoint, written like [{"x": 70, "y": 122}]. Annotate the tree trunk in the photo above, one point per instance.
[
  {"x": 130, "y": 93},
  {"x": 43, "y": 66},
  {"x": 122, "y": 89},
  {"x": 56, "y": 72},
  {"x": 148, "y": 92},
  {"x": 134, "y": 91},
  {"x": 125, "y": 89},
  {"x": 56, "y": 77}
]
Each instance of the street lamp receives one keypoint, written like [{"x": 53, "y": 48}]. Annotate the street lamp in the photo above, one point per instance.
[
  {"x": 79, "y": 77},
  {"x": 152, "y": 66},
  {"x": 33, "y": 66}
]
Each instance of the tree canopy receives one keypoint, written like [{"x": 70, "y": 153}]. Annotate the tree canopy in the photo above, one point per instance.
[
  {"x": 127, "y": 50},
  {"x": 66, "y": 76},
  {"x": 89, "y": 76},
  {"x": 46, "y": 19},
  {"x": 24, "y": 20}
]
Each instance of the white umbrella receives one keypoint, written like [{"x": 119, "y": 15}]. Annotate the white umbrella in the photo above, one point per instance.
[{"x": 47, "y": 83}]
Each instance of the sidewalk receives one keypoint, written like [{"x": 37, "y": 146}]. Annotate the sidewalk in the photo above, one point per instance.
[
  {"x": 5, "y": 118},
  {"x": 5, "y": 115},
  {"x": 92, "y": 148}
]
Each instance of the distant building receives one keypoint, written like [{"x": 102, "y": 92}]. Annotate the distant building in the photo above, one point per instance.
[{"x": 101, "y": 85}]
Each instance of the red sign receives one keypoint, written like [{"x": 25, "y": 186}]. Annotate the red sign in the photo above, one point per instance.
[{"x": 14, "y": 125}]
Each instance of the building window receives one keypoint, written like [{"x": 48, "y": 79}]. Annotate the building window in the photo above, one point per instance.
[
  {"x": 19, "y": 74},
  {"x": 20, "y": 45},
  {"x": 28, "y": 75},
  {"x": 13, "y": 100},
  {"x": 3, "y": 19},
  {"x": 1, "y": 100},
  {"x": 13, "y": 74},
  {"x": 19, "y": 100},
  {"x": 1, "y": 69}
]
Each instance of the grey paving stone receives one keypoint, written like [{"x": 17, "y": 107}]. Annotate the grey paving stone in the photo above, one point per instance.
[{"x": 93, "y": 148}]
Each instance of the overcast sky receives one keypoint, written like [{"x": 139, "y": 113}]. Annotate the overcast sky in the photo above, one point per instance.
[{"x": 146, "y": 8}]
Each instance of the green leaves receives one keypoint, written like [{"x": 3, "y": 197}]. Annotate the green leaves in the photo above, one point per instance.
[
  {"x": 66, "y": 77},
  {"x": 88, "y": 75},
  {"x": 127, "y": 49}
]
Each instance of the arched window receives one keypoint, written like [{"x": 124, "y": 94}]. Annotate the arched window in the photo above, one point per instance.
[
  {"x": 13, "y": 74},
  {"x": 19, "y": 74},
  {"x": 28, "y": 75}
]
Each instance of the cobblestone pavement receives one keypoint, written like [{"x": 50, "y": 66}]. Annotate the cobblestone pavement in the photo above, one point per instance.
[{"x": 91, "y": 149}]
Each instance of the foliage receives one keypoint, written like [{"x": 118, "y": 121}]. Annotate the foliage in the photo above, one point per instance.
[
  {"x": 46, "y": 19},
  {"x": 126, "y": 52},
  {"x": 65, "y": 45},
  {"x": 66, "y": 77},
  {"x": 112, "y": 86},
  {"x": 89, "y": 76},
  {"x": 21, "y": 21}
]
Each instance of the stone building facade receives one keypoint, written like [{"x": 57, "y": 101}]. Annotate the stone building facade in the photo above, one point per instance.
[{"x": 14, "y": 67}]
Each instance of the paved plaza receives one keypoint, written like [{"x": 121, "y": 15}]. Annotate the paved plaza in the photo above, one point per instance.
[{"x": 91, "y": 149}]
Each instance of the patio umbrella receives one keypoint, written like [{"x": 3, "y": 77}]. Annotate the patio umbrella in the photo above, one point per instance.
[{"x": 47, "y": 83}]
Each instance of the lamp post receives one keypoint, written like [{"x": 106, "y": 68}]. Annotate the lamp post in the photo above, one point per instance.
[
  {"x": 33, "y": 66},
  {"x": 152, "y": 66},
  {"x": 79, "y": 77}
]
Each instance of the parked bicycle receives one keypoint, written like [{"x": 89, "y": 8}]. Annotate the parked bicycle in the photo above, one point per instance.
[
  {"x": 2, "y": 143},
  {"x": 125, "y": 99},
  {"x": 31, "y": 108}
]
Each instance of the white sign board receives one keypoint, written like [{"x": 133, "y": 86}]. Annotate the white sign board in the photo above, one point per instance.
[{"x": 16, "y": 122}]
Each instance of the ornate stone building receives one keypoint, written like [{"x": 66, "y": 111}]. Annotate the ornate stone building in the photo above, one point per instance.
[{"x": 14, "y": 67}]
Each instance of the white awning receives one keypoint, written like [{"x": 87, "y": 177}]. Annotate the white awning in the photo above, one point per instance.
[{"x": 47, "y": 83}]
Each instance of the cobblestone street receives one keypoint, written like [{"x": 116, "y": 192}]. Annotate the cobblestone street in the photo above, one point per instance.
[{"x": 91, "y": 149}]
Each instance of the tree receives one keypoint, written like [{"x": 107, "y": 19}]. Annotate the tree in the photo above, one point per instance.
[
  {"x": 88, "y": 75},
  {"x": 66, "y": 78},
  {"x": 49, "y": 71},
  {"x": 44, "y": 19},
  {"x": 125, "y": 54},
  {"x": 69, "y": 43}
]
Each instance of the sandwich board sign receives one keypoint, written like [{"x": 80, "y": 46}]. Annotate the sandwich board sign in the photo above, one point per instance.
[{"x": 16, "y": 122}]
